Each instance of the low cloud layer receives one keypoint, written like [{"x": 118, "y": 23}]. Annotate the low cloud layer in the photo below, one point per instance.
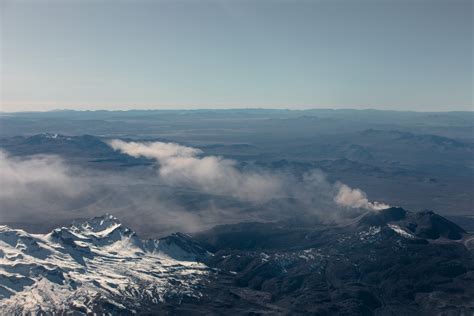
[
  {"x": 185, "y": 166},
  {"x": 19, "y": 177},
  {"x": 189, "y": 191},
  {"x": 32, "y": 187}
]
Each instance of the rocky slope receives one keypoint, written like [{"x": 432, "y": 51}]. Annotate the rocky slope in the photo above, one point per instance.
[{"x": 389, "y": 262}]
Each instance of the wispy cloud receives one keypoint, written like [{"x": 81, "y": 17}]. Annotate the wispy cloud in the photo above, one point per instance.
[
  {"x": 189, "y": 191},
  {"x": 183, "y": 166},
  {"x": 187, "y": 166},
  {"x": 31, "y": 187},
  {"x": 20, "y": 177}
]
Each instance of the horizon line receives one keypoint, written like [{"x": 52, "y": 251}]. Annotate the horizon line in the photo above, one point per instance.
[{"x": 2, "y": 111}]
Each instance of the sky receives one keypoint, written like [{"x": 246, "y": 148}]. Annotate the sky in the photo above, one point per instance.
[{"x": 104, "y": 54}]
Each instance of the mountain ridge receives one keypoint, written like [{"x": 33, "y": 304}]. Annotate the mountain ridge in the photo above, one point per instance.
[{"x": 374, "y": 264}]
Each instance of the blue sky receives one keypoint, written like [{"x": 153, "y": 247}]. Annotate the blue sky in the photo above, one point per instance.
[{"x": 384, "y": 54}]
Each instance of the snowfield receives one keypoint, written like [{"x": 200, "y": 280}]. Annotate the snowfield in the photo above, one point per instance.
[{"x": 94, "y": 264}]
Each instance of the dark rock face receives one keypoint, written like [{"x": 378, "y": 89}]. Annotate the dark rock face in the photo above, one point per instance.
[
  {"x": 189, "y": 249},
  {"x": 387, "y": 262},
  {"x": 382, "y": 217},
  {"x": 433, "y": 226}
]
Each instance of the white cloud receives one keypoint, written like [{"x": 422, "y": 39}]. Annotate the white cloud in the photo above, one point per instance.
[
  {"x": 182, "y": 166},
  {"x": 356, "y": 198},
  {"x": 154, "y": 150},
  {"x": 185, "y": 166},
  {"x": 38, "y": 189},
  {"x": 20, "y": 178},
  {"x": 44, "y": 189}
]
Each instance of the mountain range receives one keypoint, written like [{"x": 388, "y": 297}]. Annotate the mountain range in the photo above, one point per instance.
[{"x": 384, "y": 262}]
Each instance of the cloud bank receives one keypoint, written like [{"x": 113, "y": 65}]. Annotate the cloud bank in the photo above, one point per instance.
[
  {"x": 20, "y": 177},
  {"x": 183, "y": 166},
  {"x": 186, "y": 166},
  {"x": 34, "y": 186},
  {"x": 189, "y": 192}
]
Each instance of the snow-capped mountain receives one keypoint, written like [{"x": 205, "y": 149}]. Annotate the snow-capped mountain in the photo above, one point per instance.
[{"x": 93, "y": 266}]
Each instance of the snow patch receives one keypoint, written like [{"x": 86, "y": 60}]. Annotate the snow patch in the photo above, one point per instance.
[{"x": 401, "y": 231}]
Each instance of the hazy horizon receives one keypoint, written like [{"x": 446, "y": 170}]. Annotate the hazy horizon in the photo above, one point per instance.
[{"x": 227, "y": 109}]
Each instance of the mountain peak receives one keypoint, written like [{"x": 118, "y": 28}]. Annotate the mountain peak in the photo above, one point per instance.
[
  {"x": 97, "y": 232},
  {"x": 46, "y": 137},
  {"x": 426, "y": 224},
  {"x": 98, "y": 224},
  {"x": 433, "y": 226},
  {"x": 382, "y": 217}
]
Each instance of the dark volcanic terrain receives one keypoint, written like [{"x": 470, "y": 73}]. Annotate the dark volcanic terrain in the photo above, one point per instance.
[{"x": 390, "y": 262}]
